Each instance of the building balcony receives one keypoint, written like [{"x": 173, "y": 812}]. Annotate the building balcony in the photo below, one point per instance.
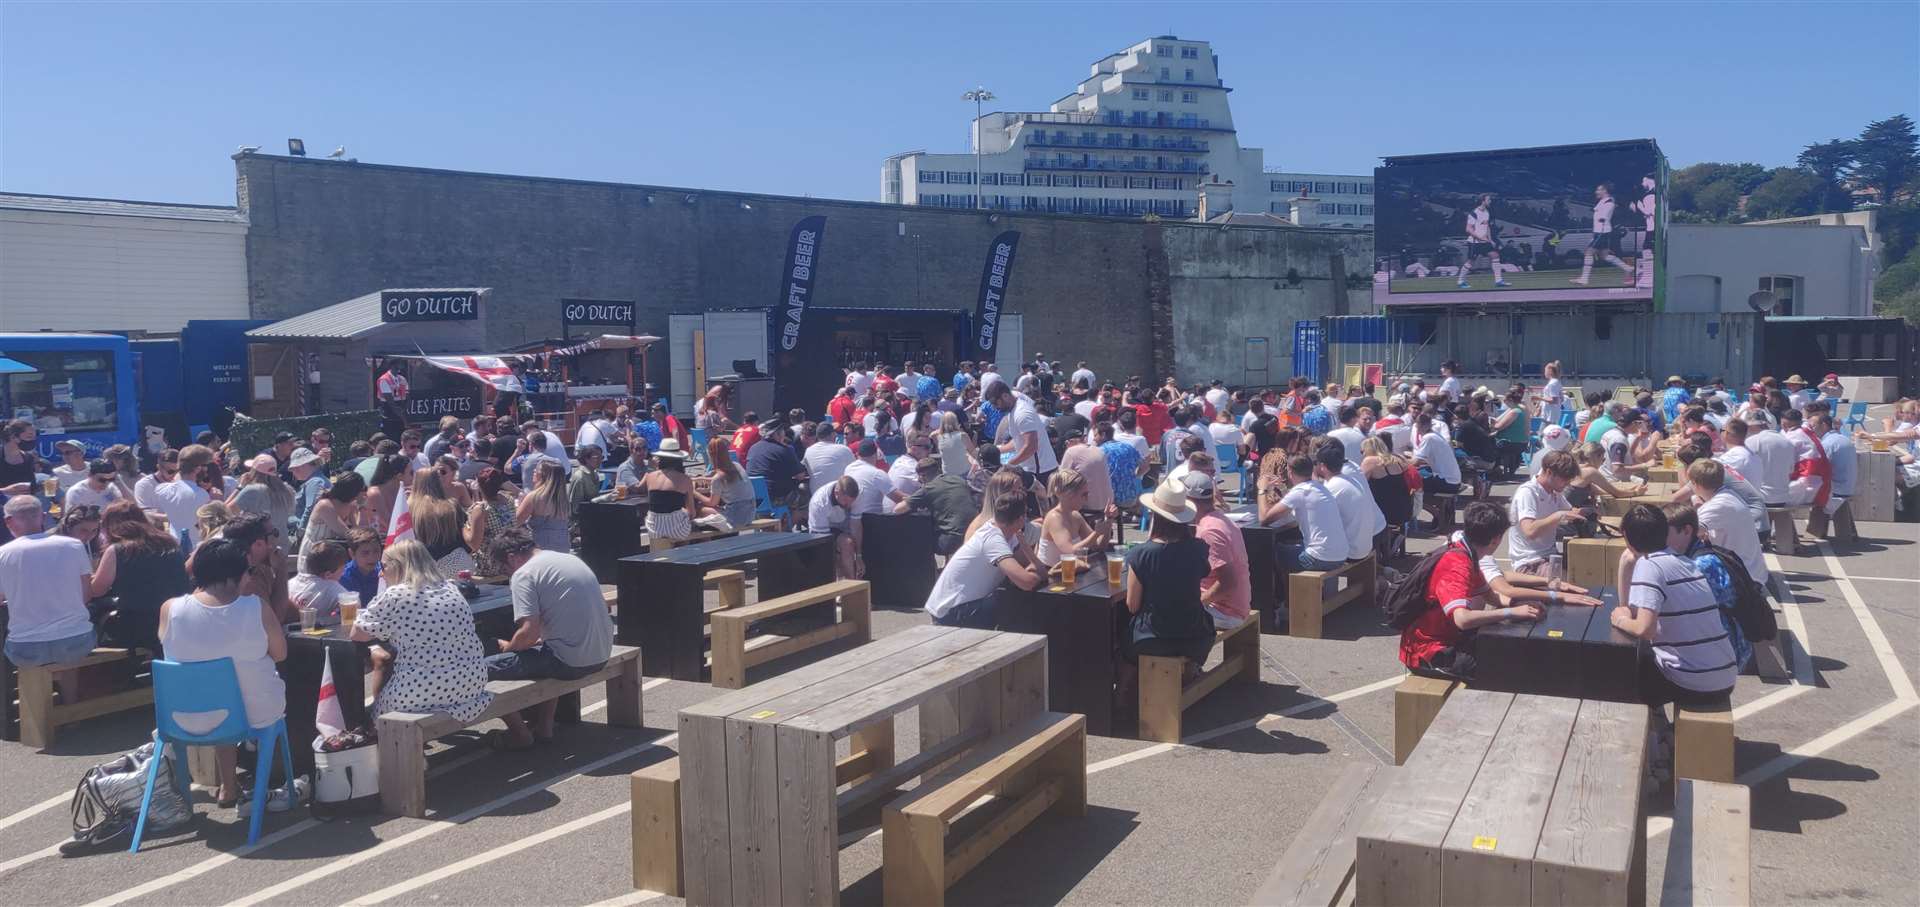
[
  {"x": 1187, "y": 145},
  {"x": 1193, "y": 167}
]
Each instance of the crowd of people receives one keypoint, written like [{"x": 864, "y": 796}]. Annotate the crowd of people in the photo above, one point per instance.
[{"x": 198, "y": 550}]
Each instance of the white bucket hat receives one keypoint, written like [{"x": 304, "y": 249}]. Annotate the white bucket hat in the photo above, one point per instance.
[{"x": 1169, "y": 499}]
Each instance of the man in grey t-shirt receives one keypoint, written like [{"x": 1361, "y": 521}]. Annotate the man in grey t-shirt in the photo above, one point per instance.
[{"x": 561, "y": 627}]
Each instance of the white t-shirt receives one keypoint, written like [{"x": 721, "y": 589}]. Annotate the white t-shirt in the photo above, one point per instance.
[
  {"x": 594, "y": 433},
  {"x": 1438, "y": 455},
  {"x": 823, "y": 515},
  {"x": 1772, "y": 465},
  {"x": 143, "y": 492},
  {"x": 1084, "y": 409},
  {"x": 1477, "y": 225},
  {"x": 1550, "y": 397},
  {"x": 874, "y": 486},
  {"x": 1321, "y": 527},
  {"x": 1736, "y": 457},
  {"x": 1349, "y": 438},
  {"x": 1029, "y": 429},
  {"x": 1727, "y": 522},
  {"x": 988, "y": 377},
  {"x": 69, "y": 476},
  {"x": 1611, "y": 437},
  {"x": 826, "y": 462},
  {"x": 42, "y": 579},
  {"x": 905, "y": 473},
  {"x": 1219, "y": 399},
  {"x": 1689, "y": 642},
  {"x": 83, "y": 493},
  {"x": 1225, "y": 433},
  {"x": 1532, "y": 501},
  {"x": 861, "y": 382},
  {"x": 179, "y": 500},
  {"x": 1451, "y": 387},
  {"x": 973, "y": 572},
  {"x": 319, "y": 593},
  {"x": 1358, "y": 513},
  {"x": 1139, "y": 442},
  {"x": 1603, "y": 215},
  {"x": 1083, "y": 376}
]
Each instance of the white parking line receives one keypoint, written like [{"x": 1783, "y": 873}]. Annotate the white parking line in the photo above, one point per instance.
[
  {"x": 1877, "y": 639},
  {"x": 1235, "y": 727},
  {"x": 207, "y": 865},
  {"x": 35, "y": 810},
  {"x": 643, "y": 688},
  {"x": 630, "y": 898},
  {"x": 1790, "y": 609},
  {"x": 20, "y": 861},
  {"x": 386, "y": 847},
  {"x": 485, "y": 857}
]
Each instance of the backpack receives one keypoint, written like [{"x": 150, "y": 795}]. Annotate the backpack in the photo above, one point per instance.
[
  {"x": 1750, "y": 608},
  {"x": 1408, "y": 599}
]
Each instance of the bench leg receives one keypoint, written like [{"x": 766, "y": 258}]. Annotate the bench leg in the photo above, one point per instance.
[
  {"x": 624, "y": 706},
  {"x": 203, "y": 766},
  {"x": 656, "y": 833},
  {"x": 1305, "y": 611},
  {"x": 871, "y": 751},
  {"x": 733, "y": 592},
  {"x": 913, "y": 853},
  {"x": 1068, "y": 762},
  {"x": 729, "y": 652},
  {"x": 1245, "y": 642},
  {"x": 1160, "y": 697},
  {"x": 403, "y": 770},
  {"x": 36, "y": 707},
  {"x": 856, "y": 607},
  {"x": 1703, "y": 745}
]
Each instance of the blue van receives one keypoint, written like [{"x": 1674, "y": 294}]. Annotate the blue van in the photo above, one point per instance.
[{"x": 81, "y": 387}]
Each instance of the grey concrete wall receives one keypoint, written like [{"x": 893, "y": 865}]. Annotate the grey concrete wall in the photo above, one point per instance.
[
  {"x": 1833, "y": 264},
  {"x": 1121, "y": 294}
]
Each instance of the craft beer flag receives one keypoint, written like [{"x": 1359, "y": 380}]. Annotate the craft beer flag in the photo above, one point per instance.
[
  {"x": 328, "y": 719},
  {"x": 400, "y": 526}
]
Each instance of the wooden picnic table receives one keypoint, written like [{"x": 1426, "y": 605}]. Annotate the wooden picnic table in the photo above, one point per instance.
[
  {"x": 761, "y": 789},
  {"x": 661, "y": 594},
  {"x": 1655, "y": 493},
  {"x": 1083, "y": 623},
  {"x": 1513, "y": 799},
  {"x": 1572, "y": 651}
]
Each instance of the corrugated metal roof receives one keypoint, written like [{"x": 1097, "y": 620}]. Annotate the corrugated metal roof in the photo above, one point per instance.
[
  {"x": 343, "y": 320},
  {"x": 120, "y": 208}
]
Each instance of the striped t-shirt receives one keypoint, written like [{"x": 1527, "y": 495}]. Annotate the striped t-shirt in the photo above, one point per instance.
[{"x": 1689, "y": 642}]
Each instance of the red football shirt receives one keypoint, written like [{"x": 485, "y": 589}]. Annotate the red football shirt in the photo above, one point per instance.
[{"x": 1456, "y": 581}]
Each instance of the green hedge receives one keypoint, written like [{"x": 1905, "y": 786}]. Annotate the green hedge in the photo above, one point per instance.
[{"x": 252, "y": 436}]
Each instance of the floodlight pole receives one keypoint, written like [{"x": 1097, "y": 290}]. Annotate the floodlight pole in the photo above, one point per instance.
[{"x": 978, "y": 96}]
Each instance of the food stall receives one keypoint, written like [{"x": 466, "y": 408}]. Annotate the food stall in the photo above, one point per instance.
[
  {"x": 72, "y": 387},
  {"x": 567, "y": 379},
  {"x": 326, "y": 360}
]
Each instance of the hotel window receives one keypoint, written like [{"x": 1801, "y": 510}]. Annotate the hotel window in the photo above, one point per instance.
[
  {"x": 1166, "y": 75},
  {"x": 1782, "y": 287},
  {"x": 959, "y": 177},
  {"x": 1366, "y": 188},
  {"x": 1163, "y": 51},
  {"x": 930, "y": 176},
  {"x": 1326, "y": 208},
  {"x": 1116, "y": 182},
  {"x": 1190, "y": 53},
  {"x": 1322, "y": 187},
  {"x": 1139, "y": 182},
  {"x": 1142, "y": 94},
  {"x": 1189, "y": 97},
  {"x": 1166, "y": 95},
  {"x": 1189, "y": 75},
  {"x": 1366, "y": 210}
]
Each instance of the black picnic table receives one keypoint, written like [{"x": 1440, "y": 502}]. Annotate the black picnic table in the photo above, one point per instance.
[
  {"x": 1571, "y": 651},
  {"x": 661, "y": 605},
  {"x": 609, "y": 531},
  {"x": 1083, "y": 623},
  {"x": 898, "y": 550}
]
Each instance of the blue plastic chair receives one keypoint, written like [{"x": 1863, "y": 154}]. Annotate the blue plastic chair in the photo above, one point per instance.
[
  {"x": 699, "y": 452},
  {"x": 209, "y": 686},
  {"x": 1857, "y": 415},
  {"x": 1226, "y": 458},
  {"x": 763, "y": 502}
]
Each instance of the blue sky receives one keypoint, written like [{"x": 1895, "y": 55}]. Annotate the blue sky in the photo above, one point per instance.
[{"x": 146, "y": 101}]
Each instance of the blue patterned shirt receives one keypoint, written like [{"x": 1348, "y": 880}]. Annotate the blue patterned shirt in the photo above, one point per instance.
[
  {"x": 989, "y": 418},
  {"x": 927, "y": 388},
  {"x": 649, "y": 430},
  {"x": 1123, "y": 470},
  {"x": 1317, "y": 420}
]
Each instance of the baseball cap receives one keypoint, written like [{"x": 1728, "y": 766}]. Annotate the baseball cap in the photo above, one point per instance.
[
  {"x": 69, "y": 444},
  {"x": 264, "y": 463},
  {"x": 283, "y": 437},
  {"x": 1831, "y": 377},
  {"x": 1197, "y": 484},
  {"x": 1554, "y": 437}
]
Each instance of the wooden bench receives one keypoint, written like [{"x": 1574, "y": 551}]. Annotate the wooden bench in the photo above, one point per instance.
[
  {"x": 1442, "y": 508},
  {"x": 39, "y": 717},
  {"x": 1312, "y": 594},
  {"x": 1415, "y": 701},
  {"x": 1708, "y": 855},
  {"x": 1317, "y": 869},
  {"x": 733, "y": 653},
  {"x": 656, "y": 828},
  {"x": 765, "y": 524},
  {"x": 1163, "y": 695},
  {"x": 700, "y": 534},
  {"x": 1703, "y": 742},
  {"x": 404, "y": 735},
  {"x": 1038, "y": 764}
]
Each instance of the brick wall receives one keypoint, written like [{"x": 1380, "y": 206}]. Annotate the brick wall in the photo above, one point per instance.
[{"x": 1106, "y": 290}]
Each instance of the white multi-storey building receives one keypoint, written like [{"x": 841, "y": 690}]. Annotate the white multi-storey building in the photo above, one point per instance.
[{"x": 1138, "y": 136}]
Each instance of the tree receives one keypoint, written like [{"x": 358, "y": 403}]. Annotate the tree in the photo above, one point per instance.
[
  {"x": 1830, "y": 162},
  {"x": 1788, "y": 192},
  {"x": 1898, "y": 280},
  {"x": 1887, "y": 156},
  {"x": 1906, "y": 305},
  {"x": 1711, "y": 192}
]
